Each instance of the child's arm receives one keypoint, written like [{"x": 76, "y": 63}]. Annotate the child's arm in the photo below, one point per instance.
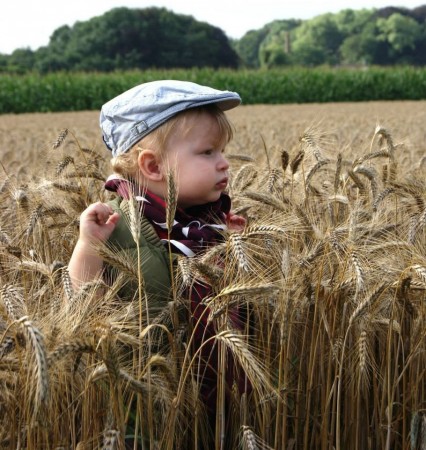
[{"x": 97, "y": 222}]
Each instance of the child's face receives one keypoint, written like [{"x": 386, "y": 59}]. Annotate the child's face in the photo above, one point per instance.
[{"x": 200, "y": 166}]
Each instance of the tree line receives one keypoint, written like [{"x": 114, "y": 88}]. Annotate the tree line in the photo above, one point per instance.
[
  {"x": 124, "y": 39},
  {"x": 387, "y": 36}
]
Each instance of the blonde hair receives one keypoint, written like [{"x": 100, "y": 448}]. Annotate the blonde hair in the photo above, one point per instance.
[{"x": 126, "y": 164}]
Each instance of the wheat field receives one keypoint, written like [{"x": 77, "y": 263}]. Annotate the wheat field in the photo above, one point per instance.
[{"x": 330, "y": 271}]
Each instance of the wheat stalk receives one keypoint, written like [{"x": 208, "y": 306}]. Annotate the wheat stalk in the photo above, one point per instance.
[
  {"x": 296, "y": 161},
  {"x": 79, "y": 345},
  {"x": 39, "y": 357},
  {"x": 273, "y": 178},
  {"x": 21, "y": 198},
  {"x": 209, "y": 272},
  {"x": 359, "y": 184},
  {"x": 251, "y": 367},
  {"x": 372, "y": 155},
  {"x": 67, "y": 283},
  {"x": 60, "y": 139},
  {"x": 285, "y": 160},
  {"x": 358, "y": 270},
  {"x": 86, "y": 172},
  {"x": 13, "y": 300},
  {"x": 111, "y": 440},
  {"x": 244, "y": 177},
  {"x": 171, "y": 202},
  {"x": 314, "y": 170},
  {"x": 251, "y": 441},
  {"x": 266, "y": 199},
  {"x": 4, "y": 238},
  {"x": 34, "y": 218},
  {"x": 309, "y": 140},
  {"x": 382, "y": 196},
  {"x": 363, "y": 355},
  {"x": 247, "y": 289},
  {"x": 420, "y": 271},
  {"x": 6, "y": 346},
  {"x": 64, "y": 164},
  {"x": 371, "y": 174},
  {"x": 68, "y": 187},
  {"x": 385, "y": 134},
  {"x": 338, "y": 173},
  {"x": 236, "y": 242},
  {"x": 120, "y": 260},
  {"x": 369, "y": 299},
  {"x": 184, "y": 264}
]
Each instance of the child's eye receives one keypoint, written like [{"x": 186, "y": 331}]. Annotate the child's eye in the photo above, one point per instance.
[{"x": 208, "y": 152}]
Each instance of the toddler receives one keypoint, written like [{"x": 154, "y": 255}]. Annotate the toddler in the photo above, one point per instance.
[{"x": 152, "y": 130}]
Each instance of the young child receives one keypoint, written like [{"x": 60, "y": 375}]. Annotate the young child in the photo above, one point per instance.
[{"x": 152, "y": 130}]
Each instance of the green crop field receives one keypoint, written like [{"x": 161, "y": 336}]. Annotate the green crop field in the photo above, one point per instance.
[{"x": 87, "y": 91}]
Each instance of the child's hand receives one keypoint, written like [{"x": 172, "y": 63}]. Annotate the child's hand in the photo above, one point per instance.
[
  {"x": 234, "y": 222},
  {"x": 97, "y": 222}
]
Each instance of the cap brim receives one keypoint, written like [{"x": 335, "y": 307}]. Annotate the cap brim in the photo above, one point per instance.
[{"x": 227, "y": 104}]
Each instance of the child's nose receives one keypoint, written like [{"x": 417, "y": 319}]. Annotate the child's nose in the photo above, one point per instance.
[{"x": 223, "y": 163}]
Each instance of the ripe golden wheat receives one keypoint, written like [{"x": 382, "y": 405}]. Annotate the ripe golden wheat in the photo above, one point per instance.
[{"x": 330, "y": 274}]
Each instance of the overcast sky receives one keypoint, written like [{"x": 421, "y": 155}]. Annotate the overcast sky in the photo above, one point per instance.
[{"x": 29, "y": 24}]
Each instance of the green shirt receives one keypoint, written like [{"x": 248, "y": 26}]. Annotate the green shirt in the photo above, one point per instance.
[{"x": 153, "y": 256}]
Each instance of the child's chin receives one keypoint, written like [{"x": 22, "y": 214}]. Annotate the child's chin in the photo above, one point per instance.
[{"x": 202, "y": 201}]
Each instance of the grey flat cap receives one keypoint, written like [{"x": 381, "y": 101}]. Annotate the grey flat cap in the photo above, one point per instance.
[{"x": 127, "y": 118}]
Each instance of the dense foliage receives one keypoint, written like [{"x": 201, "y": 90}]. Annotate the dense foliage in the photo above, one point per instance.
[
  {"x": 363, "y": 37},
  {"x": 87, "y": 91},
  {"x": 126, "y": 38}
]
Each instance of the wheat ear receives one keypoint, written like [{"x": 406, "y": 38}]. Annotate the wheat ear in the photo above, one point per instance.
[
  {"x": 251, "y": 441},
  {"x": 111, "y": 440},
  {"x": 370, "y": 298},
  {"x": 245, "y": 176},
  {"x": 285, "y": 159},
  {"x": 39, "y": 356},
  {"x": 236, "y": 241},
  {"x": 251, "y": 367},
  {"x": 77, "y": 346},
  {"x": 64, "y": 164},
  {"x": 34, "y": 218},
  {"x": 296, "y": 161},
  {"x": 60, "y": 139},
  {"x": 13, "y": 300}
]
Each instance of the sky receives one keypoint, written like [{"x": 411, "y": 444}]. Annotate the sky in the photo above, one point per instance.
[{"x": 29, "y": 24}]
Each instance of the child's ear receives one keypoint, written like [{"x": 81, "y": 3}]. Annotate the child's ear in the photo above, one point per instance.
[{"x": 149, "y": 165}]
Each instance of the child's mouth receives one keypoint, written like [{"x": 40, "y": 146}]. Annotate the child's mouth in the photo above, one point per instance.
[{"x": 222, "y": 184}]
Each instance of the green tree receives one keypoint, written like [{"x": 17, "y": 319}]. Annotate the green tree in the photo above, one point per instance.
[
  {"x": 317, "y": 41},
  {"x": 273, "y": 55},
  {"x": 21, "y": 60},
  {"x": 248, "y": 47},
  {"x": 54, "y": 56},
  {"x": 268, "y": 46},
  {"x": 126, "y": 38},
  {"x": 400, "y": 32},
  {"x": 419, "y": 14},
  {"x": 60, "y": 38},
  {"x": 362, "y": 47},
  {"x": 351, "y": 22},
  {"x": 3, "y": 62},
  {"x": 275, "y": 50}
]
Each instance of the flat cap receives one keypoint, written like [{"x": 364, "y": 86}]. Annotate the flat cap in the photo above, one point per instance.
[{"x": 127, "y": 118}]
